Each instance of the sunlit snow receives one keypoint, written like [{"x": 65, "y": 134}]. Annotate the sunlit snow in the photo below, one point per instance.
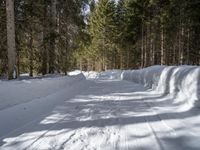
[{"x": 156, "y": 109}]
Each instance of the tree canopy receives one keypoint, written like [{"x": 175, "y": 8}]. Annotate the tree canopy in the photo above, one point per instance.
[{"x": 60, "y": 35}]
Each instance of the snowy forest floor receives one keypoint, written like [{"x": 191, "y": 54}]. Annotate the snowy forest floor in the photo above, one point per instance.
[{"x": 98, "y": 115}]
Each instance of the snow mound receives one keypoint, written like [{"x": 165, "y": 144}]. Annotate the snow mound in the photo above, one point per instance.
[
  {"x": 79, "y": 76},
  {"x": 181, "y": 81},
  {"x": 149, "y": 77},
  {"x": 26, "y": 76},
  {"x": 110, "y": 74},
  {"x": 87, "y": 74},
  {"x": 106, "y": 75},
  {"x": 22, "y": 91},
  {"x": 75, "y": 72},
  {"x": 90, "y": 74}
]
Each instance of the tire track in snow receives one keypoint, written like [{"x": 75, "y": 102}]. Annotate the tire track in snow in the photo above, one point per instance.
[
  {"x": 181, "y": 122},
  {"x": 20, "y": 109},
  {"x": 111, "y": 134},
  {"x": 157, "y": 128},
  {"x": 76, "y": 136},
  {"x": 77, "y": 133},
  {"x": 171, "y": 130},
  {"x": 24, "y": 126},
  {"x": 159, "y": 143},
  {"x": 34, "y": 124}
]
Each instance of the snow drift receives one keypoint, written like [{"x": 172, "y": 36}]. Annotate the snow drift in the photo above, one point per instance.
[
  {"x": 149, "y": 77},
  {"x": 110, "y": 74},
  {"x": 87, "y": 74},
  {"x": 22, "y": 91},
  {"x": 182, "y": 81},
  {"x": 105, "y": 75}
]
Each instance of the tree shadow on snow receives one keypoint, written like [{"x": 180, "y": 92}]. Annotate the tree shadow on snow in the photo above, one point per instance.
[{"x": 108, "y": 108}]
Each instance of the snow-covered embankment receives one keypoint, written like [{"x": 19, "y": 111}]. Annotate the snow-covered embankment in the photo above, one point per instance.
[
  {"x": 181, "y": 81},
  {"x": 17, "y": 92}
]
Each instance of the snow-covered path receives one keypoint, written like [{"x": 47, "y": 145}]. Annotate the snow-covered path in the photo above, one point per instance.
[{"x": 105, "y": 115}]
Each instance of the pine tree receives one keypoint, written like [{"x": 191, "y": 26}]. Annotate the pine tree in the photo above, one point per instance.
[
  {"x": 12, "y": 67},
  {"x": 102, "y": 32},
  {"x": 3, "y": 44}
]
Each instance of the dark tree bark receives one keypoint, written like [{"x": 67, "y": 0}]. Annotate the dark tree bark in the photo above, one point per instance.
[{"x": 12, "y": 67}]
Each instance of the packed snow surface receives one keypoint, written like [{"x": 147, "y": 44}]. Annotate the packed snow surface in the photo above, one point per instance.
[{"x": 104, "y": 112}]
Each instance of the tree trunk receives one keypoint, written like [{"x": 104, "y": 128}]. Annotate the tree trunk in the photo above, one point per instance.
[
  {"x": 121, "y": 61},
  {"x": 88, "y": 65},
  {"x": 12, "y": 68},
  {"x": 45, "y": 52},
  {"x": 80, "y": 64},
  {"x": 174, "y": 53},
  {"x": 145, "y": 47},
  {"x": 182, "y": 46},
  {"x": 31, "y": 55},
  {"x": 142, "y": 46},
  {"x": 162, "y": 47},
  {"x": 152, "y": 54},
  {"x": 52, "y": 54},
  {"x": 181, "y": 34},
  {"x": 128, "y": 57},
  {"x": 148, "y": 45},
  {"x": 188, "y": 46}
]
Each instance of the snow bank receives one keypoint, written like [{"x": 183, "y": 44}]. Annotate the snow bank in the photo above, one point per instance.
[
  {"x": 110, "y": 74},
  {"x": 149, "y": 77},
  {"x": 106, "y": 75},
  {"x": 87, "y": 74},
  {"x": 17, "y": 92},
  {"x": 90, "y": 74},
  {"x": 79, "y": 76},
  {"x": 75, "y": 72},
  {"x": 182, "y": 81}
]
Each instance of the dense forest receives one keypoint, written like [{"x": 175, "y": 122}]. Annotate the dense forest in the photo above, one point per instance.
[
  {"x": 44, "y": 32},
  {"x": 54, "y": 36},
  {"x": 140, "y": 33}
]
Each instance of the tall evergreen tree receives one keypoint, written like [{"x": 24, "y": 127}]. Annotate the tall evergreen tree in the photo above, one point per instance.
[
  {"x": 12, "y": 67},
  {"x": 102, "y": 31}
]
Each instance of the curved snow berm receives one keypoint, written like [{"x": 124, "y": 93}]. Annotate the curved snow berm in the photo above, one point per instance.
[
  {"x": 110, "y": 74},
  {"x": 149, "y": 77},
  {"x": 79, "y": 76},
  {"x": 181, "y": 81}
]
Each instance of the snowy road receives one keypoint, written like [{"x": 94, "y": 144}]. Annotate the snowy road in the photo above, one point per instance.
[{"x": 105, "y": 115}]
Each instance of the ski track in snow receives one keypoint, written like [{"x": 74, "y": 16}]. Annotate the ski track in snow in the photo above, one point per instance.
[{"x": 108, "y": 115}]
